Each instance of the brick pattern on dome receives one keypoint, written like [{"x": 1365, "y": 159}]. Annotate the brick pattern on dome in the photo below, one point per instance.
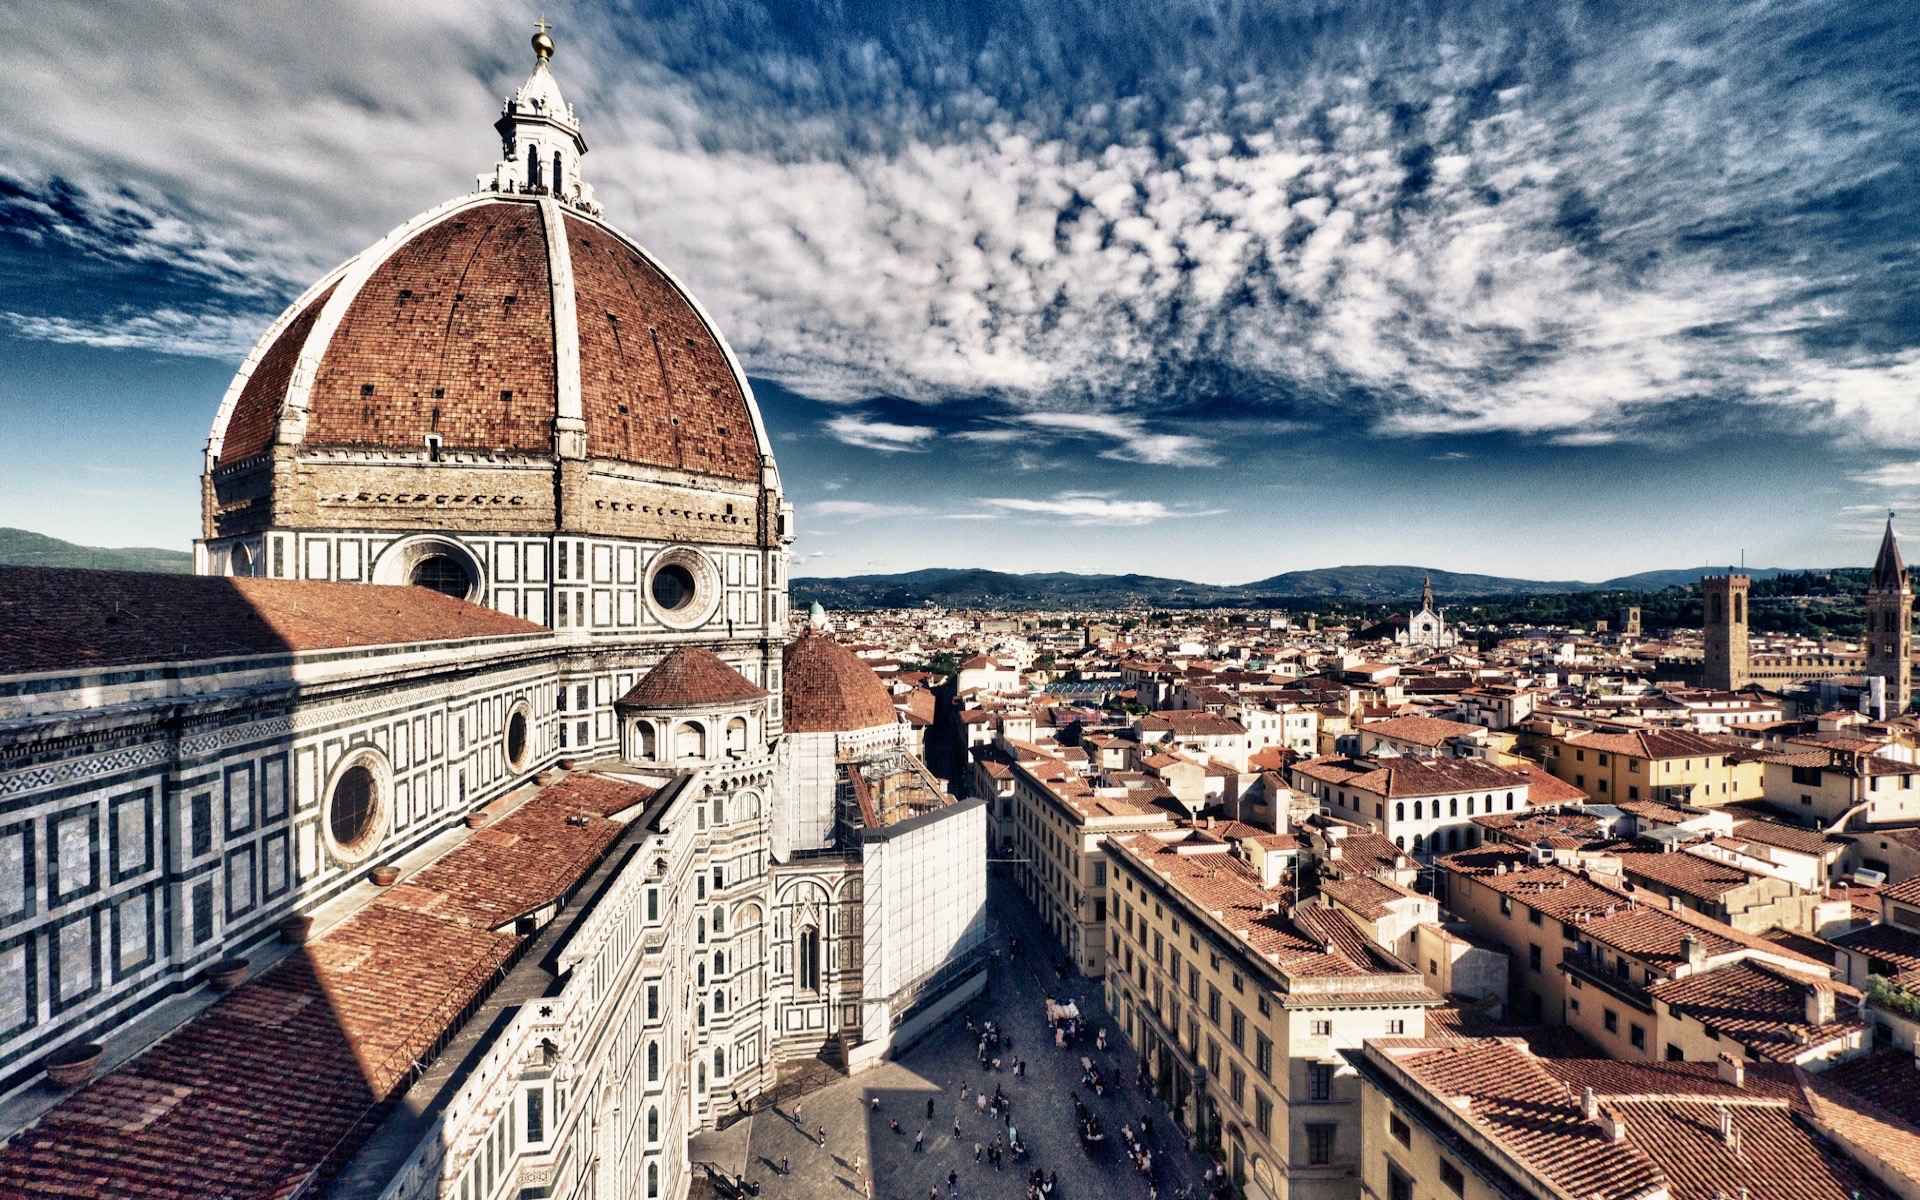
[
  {"x": 454, "y": 334},
  {"x": 829, "y": 690},
  {"x": 655, "y": 386},
  {"x": 689, "y": 676},
  {"x": 256, "y": 414}
]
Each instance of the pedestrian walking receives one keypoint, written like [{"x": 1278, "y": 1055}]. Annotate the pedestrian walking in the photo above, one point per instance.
[
  {"x": 963, "y": 1091},
  {"x": 869, "y": 1186},
  {"x": 783, "y": 1164},
  {"x": 855, "y": 1165},
  {"x": 823, "y": 1135},
  {"x": 978, "y": 1149},
  {"x": 956, "y": 1129},
  {"x": 929, "y": 1108},
  {"x": 876, "y": 1104},
  {"x": 893, "y": 1123},
  {"x": 796, "y": 1118},
  {"x": 919, "y": 1137},
  {"x": 953, "y": 1184}
]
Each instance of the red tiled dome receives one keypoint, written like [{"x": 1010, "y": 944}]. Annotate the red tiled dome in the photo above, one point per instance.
[
  {"x": 688, "y": 677},
  {"x": 482, "y": 322},
  {"x": 829, "y": 690}
]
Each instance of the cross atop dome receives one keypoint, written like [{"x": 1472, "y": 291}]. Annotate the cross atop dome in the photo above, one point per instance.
[{"x": 540, "y": 142}]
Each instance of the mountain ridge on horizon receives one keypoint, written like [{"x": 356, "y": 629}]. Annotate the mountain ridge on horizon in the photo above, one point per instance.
[{"x": 973, "y": 586}]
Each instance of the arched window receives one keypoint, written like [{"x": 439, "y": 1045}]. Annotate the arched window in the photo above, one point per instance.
[
  {"x": 719, "y": 1062},
  {"x": 719, "y": 876},
  {"x": 559, "y": 174},
  {"x": 689, "y": 740},
  {"x": 737, "y": 734},
  {"x": 1453, "y": 807},
  {"x": 1416, "y": 810},
  {"x": 647, "y": 740},
  {"x": 1509, "y": 801},
  {"x": 533, "y": 168},
  {"x": 653, "y": 1062},
  {"x": 240, "y": 561},
  {"x": 1401, "y": 841},
  {"x": 653, "y": 1181},
  {"x": 1400, "y": 810},
  {"x": 1453, "y": 839},
  {"x": 1469, "y": 805},
  {"x": 720, "y": 1002},
  {"x": 700, "y": 1077},
  {"x": 701, "y": 1015},
  {"x": 1419, "y": 844},
  {"x": 810, "y": 959},
  {"x": 653, "y": 1124},
  {"x": 700, "y": 973},
  {"x": 719, "y": 818},
  {"x": 700, "y": 930},
  {"x": 719, "y": 964}
]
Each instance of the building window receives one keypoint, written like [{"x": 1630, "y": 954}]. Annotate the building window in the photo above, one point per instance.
[
  {"x": 536, "y": 1116},
  {"x": 1237, "y": 1029},
  {"x": 1402, "y": 1132},
  {"x": 1320, "y": 1083},
  {"x": 1533, "y": 958},
  {"x": 1399, "y": 1184},
  {"x": 1506, "y": 906},
  {"x": 1263, "y": 1055},
  {"x": 653, "y": 1062},
  {"x": 1321, "y": 1028},
  {"x": 810, "y": 959},
  {"x": 1263, "y": 1114},
  {"x": 1320, "y": 1137},
  {"x": 1637, "y": 1036},
  {"x": 1396, "y": 1027},
  {"x": 1611, "y": 1020},
  {"x": 653, "y": 1124},
  {"x": 1451, "y": 1176},
  {"x": 1237, "y": 1084}
]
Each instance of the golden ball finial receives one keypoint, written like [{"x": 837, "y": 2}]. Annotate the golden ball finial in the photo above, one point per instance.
[{"x": 542, "y": 44}]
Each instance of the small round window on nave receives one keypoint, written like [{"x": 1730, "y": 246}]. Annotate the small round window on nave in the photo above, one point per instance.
[
  {"x": 350, "y": 813},
  {"x": 517, "y": 740},
  {"x": 443, "y": 575},
  {"x": 673, "y": 587}
]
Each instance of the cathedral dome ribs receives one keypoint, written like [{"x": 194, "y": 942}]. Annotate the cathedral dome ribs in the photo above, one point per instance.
[{"x": 462, "y": 361}]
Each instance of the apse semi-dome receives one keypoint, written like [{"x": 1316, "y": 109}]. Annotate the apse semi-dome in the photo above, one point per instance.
[
  {"x": 829, "y": 690},
  {"x": 506, "y": 361}
]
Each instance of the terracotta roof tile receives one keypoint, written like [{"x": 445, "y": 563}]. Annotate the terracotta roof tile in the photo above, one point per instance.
[
  {"x": 829, "y": 690},
  {"x": 63, "y": 618},
  {"x": 691, "y": 675}
]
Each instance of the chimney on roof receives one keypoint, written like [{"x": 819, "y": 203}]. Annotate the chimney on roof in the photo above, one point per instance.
[
  {"x": 1725, "y": 1114},
  {"x": 1589, "y": 1104},
  {"x": 1732, "y": 1071},
  {"x": 1693, "y": 952},
  {"x": 1820, "y": 1006}
]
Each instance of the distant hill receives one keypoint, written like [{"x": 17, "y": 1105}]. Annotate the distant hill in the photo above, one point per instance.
[
  {"x": 976, "y": 588},
  {"x": 23, "y": 548}
]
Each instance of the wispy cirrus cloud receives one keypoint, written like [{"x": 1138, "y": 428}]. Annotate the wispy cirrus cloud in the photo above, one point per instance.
[
  {"x": 863, "y": 510},
  {"x": 880, "y": 435},
  {"x": 1565, "y": 222},
  {"x": 1079, "y": 508}
]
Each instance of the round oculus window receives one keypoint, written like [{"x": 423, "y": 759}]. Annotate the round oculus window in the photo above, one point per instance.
[
  {"x": 517, "y": 740},
  {"x": 673, "y": 587},
  {"x": 350, "y": 813},
  {"x": 443, "y": 574}
]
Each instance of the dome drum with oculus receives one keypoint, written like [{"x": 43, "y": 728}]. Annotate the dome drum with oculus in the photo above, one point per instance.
[
  {"x": 443, "y": 574},
  {"x": 673, "y": 588}
]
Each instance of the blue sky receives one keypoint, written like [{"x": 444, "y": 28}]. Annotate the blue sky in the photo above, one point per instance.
[{"x": 1210, "y": 290}]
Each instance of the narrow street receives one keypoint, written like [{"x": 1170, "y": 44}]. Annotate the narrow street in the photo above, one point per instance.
[{"x": 861, "y": 1141}]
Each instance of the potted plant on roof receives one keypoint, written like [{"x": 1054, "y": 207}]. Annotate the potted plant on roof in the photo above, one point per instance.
[
  {"x": 476, "y": 819},
  {"x": 296, "y": 928},
  {"x": 72, "y": 1065},
  {"x": 228, "y": 973},
  {"x": 385, "y": 875}
]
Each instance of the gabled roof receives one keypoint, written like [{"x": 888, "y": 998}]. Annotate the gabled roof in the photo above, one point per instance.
[{"x": 68, "y": 618}]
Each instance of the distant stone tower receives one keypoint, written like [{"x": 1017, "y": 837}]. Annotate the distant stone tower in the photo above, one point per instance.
[
  {"x": 1890, "y": 624},
  {"x": 1726, "y": 630},
  {"x": 1630, "y": 621}
]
